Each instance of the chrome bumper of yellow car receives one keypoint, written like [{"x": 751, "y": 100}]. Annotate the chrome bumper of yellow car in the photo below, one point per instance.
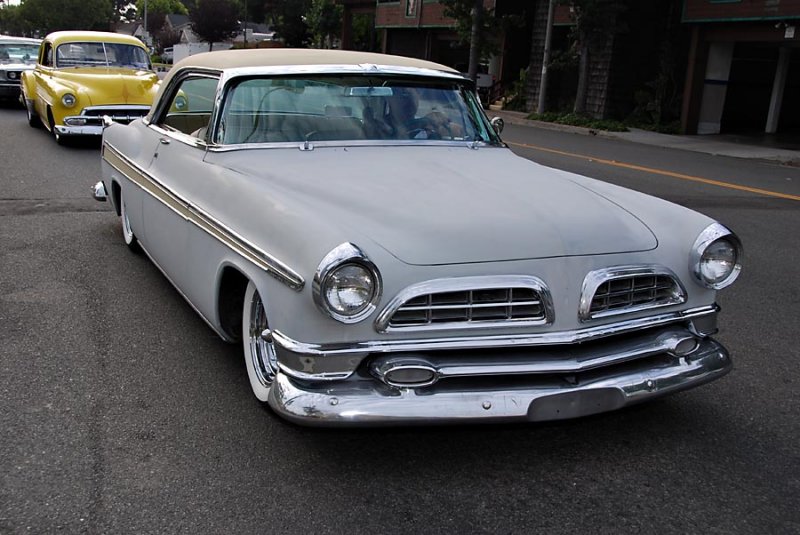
[{"x": 363, "y": 399}]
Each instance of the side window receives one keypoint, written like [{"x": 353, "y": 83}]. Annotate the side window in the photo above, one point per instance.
[
  {"x": 47, "y": 55},
  {"x": 190, "y": 106}
]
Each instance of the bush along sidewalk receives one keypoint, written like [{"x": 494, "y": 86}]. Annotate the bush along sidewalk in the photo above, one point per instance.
[{"x": 575, "y": 119}]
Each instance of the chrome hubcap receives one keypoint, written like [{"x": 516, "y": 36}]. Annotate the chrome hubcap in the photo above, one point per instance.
[{"x": 265, "y": 362}]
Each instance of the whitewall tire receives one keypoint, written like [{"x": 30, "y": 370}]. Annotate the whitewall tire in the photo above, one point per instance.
[
  {"x": 259, "y": 355},
  {"x": 127, "y": 231}
]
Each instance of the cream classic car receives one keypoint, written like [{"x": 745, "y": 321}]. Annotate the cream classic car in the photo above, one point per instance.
[
  {"x": 82, "y": 76},
  {"x": 356, "y": 223},
  {"x": 17, "y": 54}
]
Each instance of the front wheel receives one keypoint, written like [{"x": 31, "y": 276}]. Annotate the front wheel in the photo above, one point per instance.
[
  {"x": 58, "y": 137},
  {"x": 259, "y": 355},
  {"x": 127, "y": 232}
]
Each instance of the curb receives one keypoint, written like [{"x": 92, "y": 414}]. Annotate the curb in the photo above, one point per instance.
[{"x": 714, "y": 148}]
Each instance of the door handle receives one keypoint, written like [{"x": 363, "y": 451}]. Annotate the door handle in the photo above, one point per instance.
[{"x": 164, "y": 141}]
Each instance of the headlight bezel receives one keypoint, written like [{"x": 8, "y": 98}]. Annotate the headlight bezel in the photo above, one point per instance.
[
  {"x": 712, "y": 234},
  {"x": 71, "y": 96},
  {"x": 343, "y": 255}
]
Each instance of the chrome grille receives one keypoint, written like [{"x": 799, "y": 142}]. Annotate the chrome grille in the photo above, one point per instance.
[
  {"x": 470, "y": 306},
  {"x": 630, "y": 289}
]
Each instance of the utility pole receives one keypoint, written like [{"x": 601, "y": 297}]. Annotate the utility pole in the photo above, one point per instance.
[
  {"x": 245, "y": 23},
  {"x": 146, "y": 37},
  {"x": 548, "y": 37},
  {"x": 474, "y": 47}
]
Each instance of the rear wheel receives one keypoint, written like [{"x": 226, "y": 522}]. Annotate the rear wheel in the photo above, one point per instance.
[
  {"x": 33, "y": 118},
  {"x": 259, "y": 355},
  {"x": 127, "y": 231}
]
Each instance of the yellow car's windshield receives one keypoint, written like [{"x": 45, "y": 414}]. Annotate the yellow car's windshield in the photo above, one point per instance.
[{"x": 97, "y": 54}]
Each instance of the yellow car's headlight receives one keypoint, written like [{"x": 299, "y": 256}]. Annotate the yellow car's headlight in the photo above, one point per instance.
[{"x": 68, "y": 100}]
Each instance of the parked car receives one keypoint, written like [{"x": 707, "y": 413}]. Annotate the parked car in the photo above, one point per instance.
[
  {"x": 356, "y": 223},
  {"x": 17, "y": 54},
  {"x": 82, "y": 76}
]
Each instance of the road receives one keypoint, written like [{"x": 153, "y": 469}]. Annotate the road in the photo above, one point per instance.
[{"x": 123, "y": 413}]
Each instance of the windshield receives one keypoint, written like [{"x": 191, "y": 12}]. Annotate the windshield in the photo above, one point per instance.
[
  {"x": 18, "y": 53},
  {"x": 102, "y": 55},
  {"x": 345, "y": 108}
]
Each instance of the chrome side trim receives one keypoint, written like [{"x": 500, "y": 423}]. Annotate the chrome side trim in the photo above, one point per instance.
[
  {"x": 466, "y": 284},
  {"x": 370, "y": 402},
  {"x": 202, "y": 220},
  {"x": 489, "y": 341},
  {"x": 595, "y": 278}
]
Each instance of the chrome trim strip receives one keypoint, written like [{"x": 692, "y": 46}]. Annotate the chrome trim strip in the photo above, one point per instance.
[
  {"x": 580, "y": 359},
  {"x": 710, "y": 234},
  {"x": 342, "y": 254},
  {"x": 467, "y": 284},
  {"x": 489, "y": 341},
  {"x": 351, "y": 143},
  {"x": 202, "y": 220},
  {"x": 595, "y": 278},
  {"x": 373, "y": 403},
  {"x": 363, "y": 68}
]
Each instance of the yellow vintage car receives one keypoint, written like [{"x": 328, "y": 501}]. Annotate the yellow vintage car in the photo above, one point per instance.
[{"x": 81, "y": 77}]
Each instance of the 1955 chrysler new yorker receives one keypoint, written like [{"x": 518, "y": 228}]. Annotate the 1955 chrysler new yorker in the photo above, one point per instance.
[{"x": 356, "y": 223}]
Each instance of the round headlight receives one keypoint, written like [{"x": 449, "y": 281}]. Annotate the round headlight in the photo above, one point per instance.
[
  {"x": 180, "y": 103},
  {"x": 347, "y": 285},
  {"x": 349, "y": 289},
  {"x": 716, "y": 257},
  {"x": 718, "y": 261},
  {"x": 68, "y": 100}
]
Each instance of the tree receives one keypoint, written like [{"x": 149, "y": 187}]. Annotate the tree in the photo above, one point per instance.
[
  {"x": 596, "y": 21},
  {"x": 215, "y": 20},
  {"x": 11, "y": 21},
  {"x": 289, "y": 19},
  {"x": 325, "y": 21},
  {"x": 475, "y": 25},
  {"x": 52, "y": 15}
]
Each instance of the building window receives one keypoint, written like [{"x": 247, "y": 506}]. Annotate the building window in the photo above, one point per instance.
[{"x": 411, "y": 8}]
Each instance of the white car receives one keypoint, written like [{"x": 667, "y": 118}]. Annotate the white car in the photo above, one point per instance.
[
  {"x": 356, "y": 223},
  {"x": 17, "y": 54}
]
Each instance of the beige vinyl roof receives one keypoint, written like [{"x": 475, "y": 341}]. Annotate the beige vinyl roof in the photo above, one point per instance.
[
  {"x": 87, "y": 36},
  {"x": 277, "y": 57}
]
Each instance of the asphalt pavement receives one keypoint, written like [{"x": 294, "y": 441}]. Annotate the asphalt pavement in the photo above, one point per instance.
[{"x": 123, "y": 413}]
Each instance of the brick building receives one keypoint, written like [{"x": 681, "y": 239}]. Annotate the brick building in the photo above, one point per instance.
[{"x": 743, "y": 66}]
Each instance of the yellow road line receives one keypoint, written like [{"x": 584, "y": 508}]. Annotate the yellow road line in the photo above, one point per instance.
[{"x": 660, "y": 172}]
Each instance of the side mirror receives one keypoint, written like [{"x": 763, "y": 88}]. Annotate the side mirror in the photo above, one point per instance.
[{"x": 498, "y": 124}]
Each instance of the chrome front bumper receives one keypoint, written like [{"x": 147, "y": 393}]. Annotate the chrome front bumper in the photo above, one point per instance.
[
  {"x": 363, "y": 400},
  {"x": 85, "y": 130}
]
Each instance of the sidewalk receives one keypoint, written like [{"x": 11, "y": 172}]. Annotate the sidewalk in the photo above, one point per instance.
[{"x": 715, "y": 145}]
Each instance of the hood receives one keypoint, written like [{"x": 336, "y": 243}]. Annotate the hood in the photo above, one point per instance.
[
  {"x": 111, "y": 85},
  {"x": 445, "y": 205}
]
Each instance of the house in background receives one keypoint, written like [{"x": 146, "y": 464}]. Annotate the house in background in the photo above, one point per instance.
[{"x": 743, "y": 66}]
